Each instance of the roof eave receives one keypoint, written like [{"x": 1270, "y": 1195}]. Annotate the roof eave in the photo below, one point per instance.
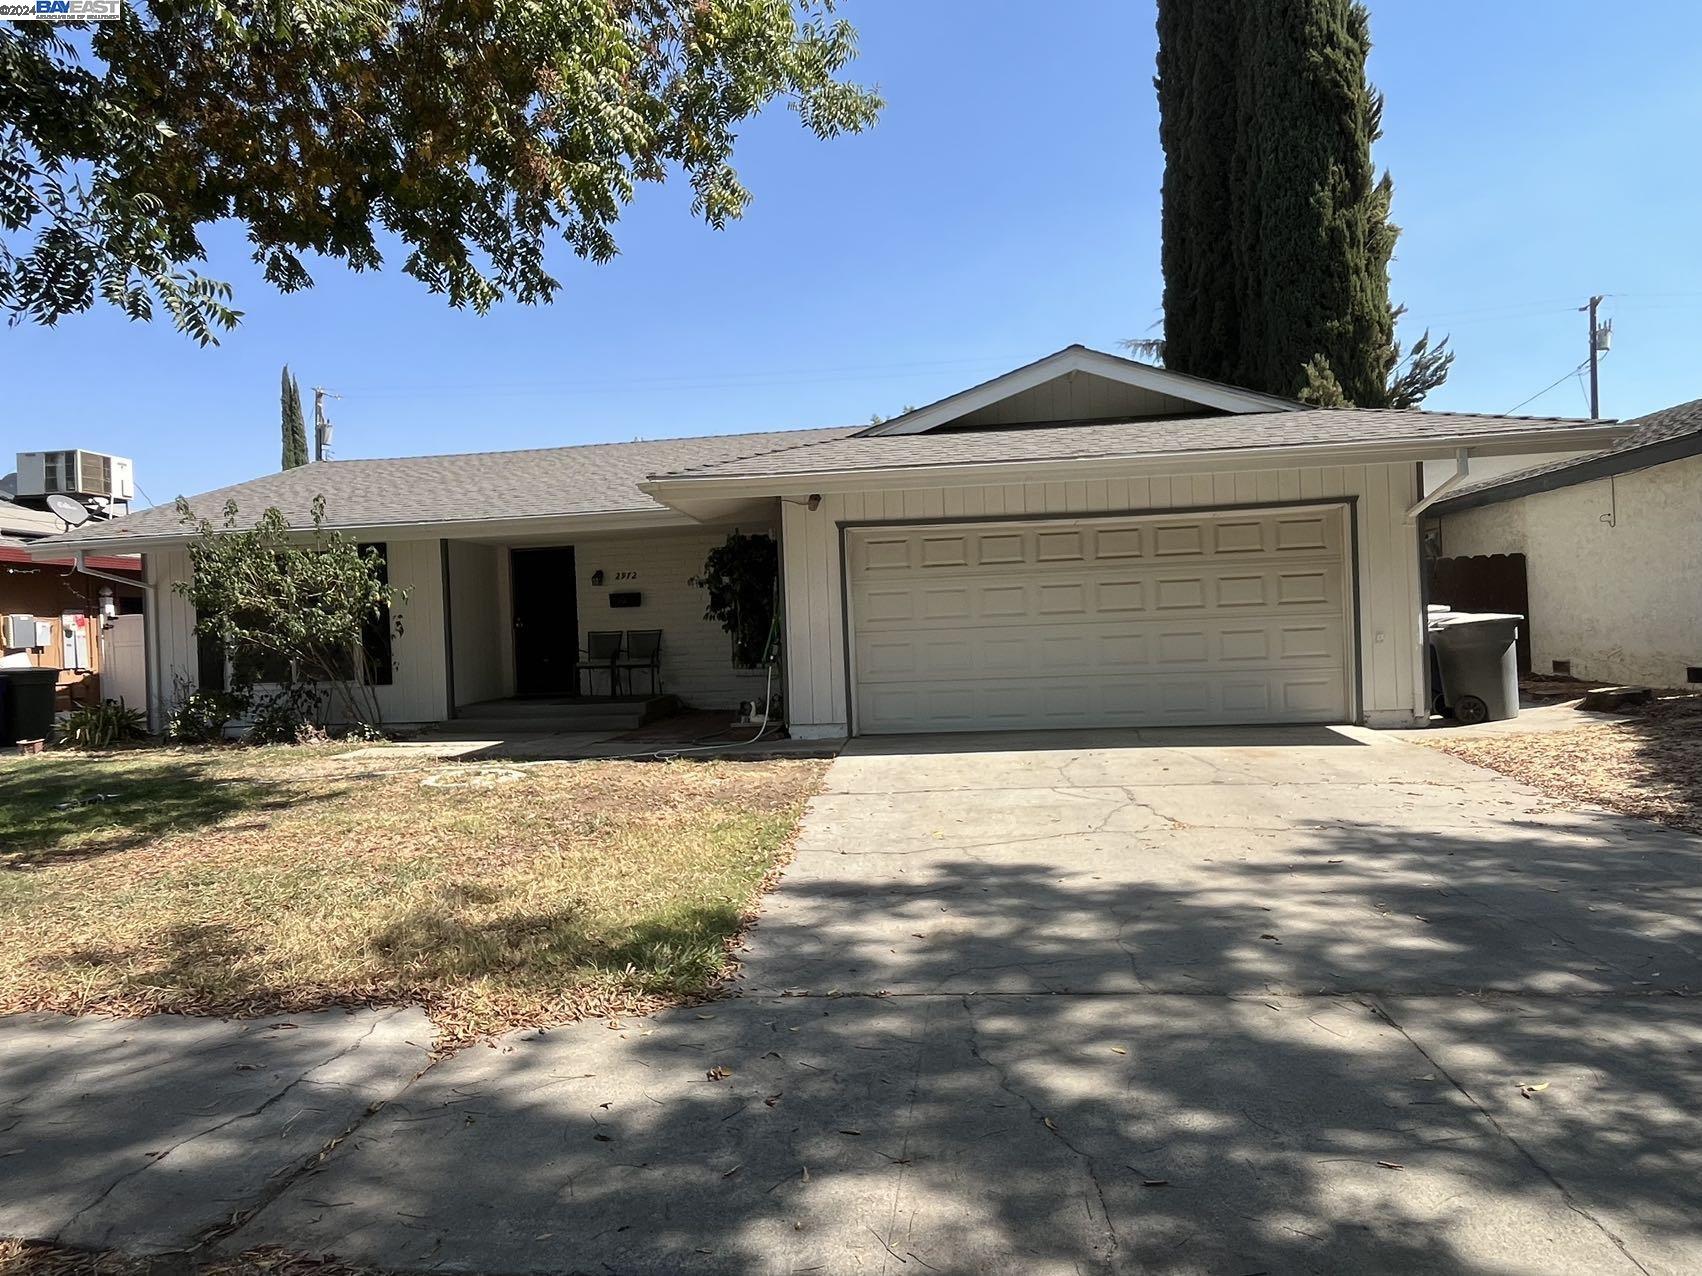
[
  {"x": 447, "y": 529},
  {"x": 669, "y": 489},
  {"x": 1584, "y": 470}
]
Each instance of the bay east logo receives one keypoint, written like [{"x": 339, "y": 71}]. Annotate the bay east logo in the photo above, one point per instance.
[{"x": 61, "y": 10}]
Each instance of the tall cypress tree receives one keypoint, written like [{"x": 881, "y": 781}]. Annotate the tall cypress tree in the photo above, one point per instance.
[
  {"x": 1197, "y": 128},
  {"x": 293, "y": 426},
  {"x": 1277, "y": 237}
]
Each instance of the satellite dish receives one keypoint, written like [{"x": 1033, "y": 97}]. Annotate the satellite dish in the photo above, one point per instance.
[{"x": 68, "y": 508}]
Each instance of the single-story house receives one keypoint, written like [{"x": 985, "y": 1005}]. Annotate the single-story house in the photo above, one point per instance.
[
  {"x": 1610, "y": 546},
  {"x": 1084, "y": 541}
]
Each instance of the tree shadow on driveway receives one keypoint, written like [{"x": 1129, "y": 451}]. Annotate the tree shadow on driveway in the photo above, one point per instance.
[{"x": 1348, "y": 1048}]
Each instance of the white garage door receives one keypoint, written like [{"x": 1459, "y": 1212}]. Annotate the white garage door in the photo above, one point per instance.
[{"x": 1229, "y": 617}]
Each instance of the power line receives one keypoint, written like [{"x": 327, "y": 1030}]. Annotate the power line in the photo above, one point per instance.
[{"x": 1571, "y": 372}]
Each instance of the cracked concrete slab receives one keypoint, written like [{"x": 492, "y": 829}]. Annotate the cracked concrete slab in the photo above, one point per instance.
[
  {"x": 1407, "y": 872},
  {"x": 1603, "y": 1094},
  {"x": 144, "y": 1133},
  {"x": 1034, "y": 1134}
]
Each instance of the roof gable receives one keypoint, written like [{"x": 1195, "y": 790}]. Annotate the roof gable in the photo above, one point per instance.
[{"x": 1079, "y": 385}]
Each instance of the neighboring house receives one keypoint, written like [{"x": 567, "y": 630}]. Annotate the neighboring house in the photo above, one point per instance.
[
  {"x": 1612, "y": 546},
  {"x": 65, "y": 604},
  {"x": 1085, "y": 541}
]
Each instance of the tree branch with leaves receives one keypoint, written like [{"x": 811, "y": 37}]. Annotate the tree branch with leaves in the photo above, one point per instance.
[{"x": 475, "y": 134}]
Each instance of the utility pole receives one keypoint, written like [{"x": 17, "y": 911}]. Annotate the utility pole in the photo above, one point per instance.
[
  {"x": 1601, "y": 340},
  {"x": 322, "y": 423}
]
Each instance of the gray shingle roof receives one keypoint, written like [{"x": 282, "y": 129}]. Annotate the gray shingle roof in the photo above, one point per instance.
[
  {"x": 597, "y": 478},
  {"x": 604, "y": 478},
  {"x": 1665, "y": 426},
  {"x": 1311, "y": 427}
]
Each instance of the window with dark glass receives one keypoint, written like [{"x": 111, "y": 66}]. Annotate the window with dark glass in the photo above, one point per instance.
[
  {"x": 377, "y": 633},
  {"x": 209, "y": 657}
]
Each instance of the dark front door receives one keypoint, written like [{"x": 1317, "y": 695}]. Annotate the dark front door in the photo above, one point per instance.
[{"x": 546, "y": 621}]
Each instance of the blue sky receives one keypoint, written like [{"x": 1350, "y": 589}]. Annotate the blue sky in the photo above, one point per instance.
[{"x": 1006, "y": 205}]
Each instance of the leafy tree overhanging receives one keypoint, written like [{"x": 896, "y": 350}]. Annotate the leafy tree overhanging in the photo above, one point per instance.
[{"x": 473, "y": 133}]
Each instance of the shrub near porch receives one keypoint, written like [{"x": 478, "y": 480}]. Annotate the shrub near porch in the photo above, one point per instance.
[{"x": 283, "y": 880}]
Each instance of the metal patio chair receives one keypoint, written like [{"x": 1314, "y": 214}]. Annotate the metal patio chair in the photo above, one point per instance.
[
  {"x": 602, "y": 651},
  {"x": 643, "y": 652}
]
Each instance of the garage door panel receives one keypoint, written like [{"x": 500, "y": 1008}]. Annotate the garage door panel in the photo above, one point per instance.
[
  {"x": 1165, "y": 700},
  {"x": 1237, "y": 617},
  {"x": 1040, "y": 650},
  {"x": 1065, "y": 591}
]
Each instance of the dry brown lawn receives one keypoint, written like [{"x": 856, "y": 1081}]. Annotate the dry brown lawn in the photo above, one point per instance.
[
  {"x": 256, "y": 881},
  {"x": 1649, "y": 767}
]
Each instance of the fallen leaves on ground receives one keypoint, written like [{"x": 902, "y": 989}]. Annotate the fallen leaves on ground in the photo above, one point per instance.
[
  {"x": 39, "y": 1258},
  {"x": 1650, "y": 767}
]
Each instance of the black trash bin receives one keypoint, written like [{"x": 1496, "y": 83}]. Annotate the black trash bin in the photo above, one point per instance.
[
  {"x": 1476, "y": 654},
  {"x": 26, "y": 703}
]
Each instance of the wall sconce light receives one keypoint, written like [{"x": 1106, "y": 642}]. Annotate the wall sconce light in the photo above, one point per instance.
[
  {"x": 597, "y": 577},
  {"x": 814, "y": 502},
  {"x": 108, "y": 606}
]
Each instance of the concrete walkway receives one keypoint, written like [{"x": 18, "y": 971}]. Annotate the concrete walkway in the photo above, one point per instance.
[
  {"x": 1214, "y": 1002},
  {"x": 143, "y": 1134}
]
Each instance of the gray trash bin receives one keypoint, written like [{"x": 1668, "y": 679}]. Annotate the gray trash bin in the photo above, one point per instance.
[
  {"x": 26, "y": 703},
  {"x": 1476, "y": 654}
]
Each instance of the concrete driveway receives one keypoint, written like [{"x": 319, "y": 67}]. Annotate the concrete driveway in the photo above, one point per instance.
[{"x": 1215, "y": 1001}]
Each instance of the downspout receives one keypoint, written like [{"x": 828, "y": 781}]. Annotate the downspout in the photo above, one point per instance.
[
  {"x": 150, "y": 627},
  {"x": 1462, "y": 467}
]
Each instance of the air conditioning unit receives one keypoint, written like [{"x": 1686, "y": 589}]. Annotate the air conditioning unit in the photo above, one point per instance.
[{"x": 76, "y": 473}]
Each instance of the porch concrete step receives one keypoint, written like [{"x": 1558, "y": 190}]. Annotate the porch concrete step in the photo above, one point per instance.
[
  {"x": 564, "y": 715},
  {"x": 539, "y": 726}
]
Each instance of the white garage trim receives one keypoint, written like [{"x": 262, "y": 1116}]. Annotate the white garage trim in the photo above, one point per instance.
[{"x": 1178, "y": 616}]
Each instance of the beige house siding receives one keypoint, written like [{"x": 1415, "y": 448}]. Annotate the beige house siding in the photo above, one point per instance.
[
  {"x": 697, "y": 654},
  {"x": 1614, "y": 569},
  {"x": 1389, "y": 637},
  {"x": 418, "y": 692}
]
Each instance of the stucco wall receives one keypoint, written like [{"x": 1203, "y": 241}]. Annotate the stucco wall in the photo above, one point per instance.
[
  {"x": 1387, "y": 620},
  {"x": 1620, "y": 599},
  {"x": 697, "y": 654}
]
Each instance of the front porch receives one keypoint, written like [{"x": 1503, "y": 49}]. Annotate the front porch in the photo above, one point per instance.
[
  {"x": 530, "y": 623},
  {"x": 491, "y": 628}
]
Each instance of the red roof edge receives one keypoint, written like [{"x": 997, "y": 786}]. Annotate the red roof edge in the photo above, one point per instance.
[{"x": 100, "y": 562}]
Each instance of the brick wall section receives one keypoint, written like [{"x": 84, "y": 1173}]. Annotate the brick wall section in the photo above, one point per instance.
[{"x": 697, "y": 654}]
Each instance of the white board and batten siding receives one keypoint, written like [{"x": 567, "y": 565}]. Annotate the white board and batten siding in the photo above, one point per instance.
[
  {"x": 697, "y": 653},
  {"x": 418, "y": 692},
  {"x": 1382, "y": 607},
  {"x": 478, "y": 621}
]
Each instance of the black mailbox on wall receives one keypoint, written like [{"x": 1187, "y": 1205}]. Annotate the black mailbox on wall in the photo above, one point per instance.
[{"x": 630, "y": 599}]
